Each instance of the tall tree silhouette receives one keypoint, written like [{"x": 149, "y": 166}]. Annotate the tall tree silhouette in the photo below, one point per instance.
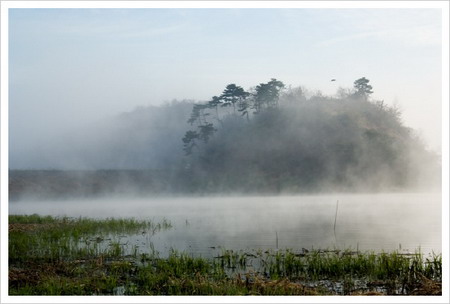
[{"x": 363, "y": 88}]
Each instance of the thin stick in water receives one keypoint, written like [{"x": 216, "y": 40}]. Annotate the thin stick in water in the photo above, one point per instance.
[
  {"x": 276, "y": 236},
  {"x": 335, "y": 218}
]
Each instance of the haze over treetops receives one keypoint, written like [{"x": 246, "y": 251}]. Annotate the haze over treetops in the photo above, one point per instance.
[{"x": 270, "y": 138}]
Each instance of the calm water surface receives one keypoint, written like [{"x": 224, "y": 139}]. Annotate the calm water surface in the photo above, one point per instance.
[{"x": 205, "y": 225}]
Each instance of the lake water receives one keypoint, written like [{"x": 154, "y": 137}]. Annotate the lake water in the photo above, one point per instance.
[{"x": 204, "y": 225}]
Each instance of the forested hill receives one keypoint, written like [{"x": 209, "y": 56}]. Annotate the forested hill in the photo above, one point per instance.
[
  {"x": 269, "y": 139},
  {"x": 276, "y": 140}
]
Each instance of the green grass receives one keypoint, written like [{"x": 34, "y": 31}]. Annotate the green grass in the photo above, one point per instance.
[{"x": 68, "y": 256}]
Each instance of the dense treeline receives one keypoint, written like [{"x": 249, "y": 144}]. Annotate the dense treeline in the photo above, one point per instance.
[{"x": 275, "y": 140}]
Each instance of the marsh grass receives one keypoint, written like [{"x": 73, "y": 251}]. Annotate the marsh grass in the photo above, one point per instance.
[
  {"x": 67, "y": 256},
  {"x": 59, "y": 238},
  {"x": 396, "y": 273}
]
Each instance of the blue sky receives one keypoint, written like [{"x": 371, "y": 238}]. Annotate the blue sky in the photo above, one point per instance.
[{"x": 74, "y": 66}]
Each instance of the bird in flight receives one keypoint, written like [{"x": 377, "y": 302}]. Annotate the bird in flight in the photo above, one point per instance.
[{"x": 333, "y": 79}]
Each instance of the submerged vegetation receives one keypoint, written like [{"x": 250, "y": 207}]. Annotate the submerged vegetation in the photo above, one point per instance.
[{"x": 81, "y": 256}]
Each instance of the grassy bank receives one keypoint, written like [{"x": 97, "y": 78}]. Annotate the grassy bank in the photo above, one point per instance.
[{"x": 81, "y": 256}]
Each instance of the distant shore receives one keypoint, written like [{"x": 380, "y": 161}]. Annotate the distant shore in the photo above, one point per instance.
[
  {"x": 53, "y": 184},
  {"x": 75, "y": 184}
]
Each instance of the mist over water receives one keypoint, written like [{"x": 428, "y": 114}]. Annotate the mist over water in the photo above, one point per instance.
[
  {"x": 203, "y": 225},
  {"x": 263, "y": 169}
]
